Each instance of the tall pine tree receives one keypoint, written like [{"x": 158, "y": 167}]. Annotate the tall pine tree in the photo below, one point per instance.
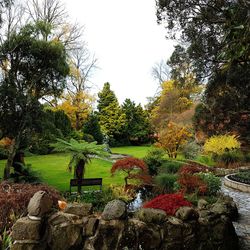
[{"x": 111, "y": 117}]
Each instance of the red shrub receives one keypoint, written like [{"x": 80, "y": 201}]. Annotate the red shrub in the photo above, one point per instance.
[
  {"x": 168, "y": 202},
  {"x": 134, "y": 168},
  {"x": 14, "y": 199},
  {"x": 192, "y": 169},
  {"x": 192, "y": 183}
]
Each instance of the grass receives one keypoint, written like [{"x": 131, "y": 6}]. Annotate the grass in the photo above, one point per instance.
[{"x": 53, "y": 167}]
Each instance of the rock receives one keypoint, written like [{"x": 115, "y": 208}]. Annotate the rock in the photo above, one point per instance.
[
  {"x": 115, "y": 209},
  {"x": 173, "y": 229},
  {"x": 150, "y": 215},
  {"x": 62, "y": 218},
  {"x": 82, "y": 209},
  {"x": 202, "y": 204},
  {"x": 106, "y": 236},
  {"x": 186, "y": 213},
  {"x": 39, "y": 204},
  {"x": 65, "y": 231},
  {"x": 227, "y": 207},
  {"x": 91, "y": 226},
  {"x": 26, "y": 229},
  {"x": 27, "y": 245}
]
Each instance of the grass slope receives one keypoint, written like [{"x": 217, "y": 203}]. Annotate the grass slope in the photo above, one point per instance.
[{"x": 53, "y": 167}]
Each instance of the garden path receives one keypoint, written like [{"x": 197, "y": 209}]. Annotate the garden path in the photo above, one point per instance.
[{"x": 242, "y": 225}]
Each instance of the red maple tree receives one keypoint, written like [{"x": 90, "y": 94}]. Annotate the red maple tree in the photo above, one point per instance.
[{"x": 134, "y": 168}]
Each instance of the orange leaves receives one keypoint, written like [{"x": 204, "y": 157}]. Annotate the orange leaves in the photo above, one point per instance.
[
  {"x": 134, "y": 168},
  {"x": 172, "y": 137}
]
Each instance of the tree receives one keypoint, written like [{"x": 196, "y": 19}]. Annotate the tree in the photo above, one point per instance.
[
  {"x": 216, "y": 31},
  {"x": 133, "y": 167},
  {"x": 77, "y": 106},
  {"x": 92, "y": 127},
  {"x": 172, "y": 138},
  {"x": 35, "y": 68},
  {"x": 137, "y": 122},
  {"x": 172, "y": 102},
  {"x": 81, "y": 153},
  {"x": 111, "y": 117}
]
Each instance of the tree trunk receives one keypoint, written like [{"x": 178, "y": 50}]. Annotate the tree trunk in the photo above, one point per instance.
[
  {"x": 12, "y": 152},
  {"x": 79, "y": 174}
]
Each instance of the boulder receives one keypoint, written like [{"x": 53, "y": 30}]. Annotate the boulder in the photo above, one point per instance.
[
  {"x": 26, "y": 229},
  {"x": 91, "y": 226},
  {"x": 79, "y": 209},
  {"x": 186, "y": 213},
  {"x": 202, "y": 204},
  {"x": 115, "y": 209},
  {"x": 65, "y": 231},
  {"x": 150, "y": 215},
  {"x": 39, "y": 205}
]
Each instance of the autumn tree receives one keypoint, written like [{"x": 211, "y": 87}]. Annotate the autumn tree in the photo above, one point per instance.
[
  {"x": 172, "y": 138},
  {"x": 111, "y": 117},
  {"x": 133, "y": 168},
  {"x": 217, "y": 35},
  {"x": 36, "y": 68}
]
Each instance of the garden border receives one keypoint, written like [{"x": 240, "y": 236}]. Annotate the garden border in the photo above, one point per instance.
[{"x": 236, "y": 185}]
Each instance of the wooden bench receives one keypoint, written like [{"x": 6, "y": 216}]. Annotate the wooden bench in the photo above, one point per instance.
[{"x": 86, "y": 182}]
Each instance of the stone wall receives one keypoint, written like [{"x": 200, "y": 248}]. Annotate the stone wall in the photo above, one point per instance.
[{"x": 76, "y": 227}]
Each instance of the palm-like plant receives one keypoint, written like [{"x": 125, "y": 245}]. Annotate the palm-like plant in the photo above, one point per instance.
[{"x": 81, "y": 154}]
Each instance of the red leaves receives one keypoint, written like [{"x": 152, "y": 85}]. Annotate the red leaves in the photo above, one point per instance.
[
  {"x": 190, "y": 182},
  {"x": 135, "y": 169},
  {"x": 14, "y": 198},
  {"x": 168, "y": 202},
  {"x": 129, "y": 163}
]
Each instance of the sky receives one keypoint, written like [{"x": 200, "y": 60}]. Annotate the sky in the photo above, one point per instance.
[{"x": 126, "y": 40}]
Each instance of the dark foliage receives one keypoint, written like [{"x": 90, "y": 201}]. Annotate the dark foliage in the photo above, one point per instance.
[{"x": 14, "y": 199}]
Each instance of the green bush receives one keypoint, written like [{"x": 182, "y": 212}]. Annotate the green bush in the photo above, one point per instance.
[
  {"x": 171, "y": 167},
  {"x": 88, "y": 138},
  {"x": 166, "y": 182},
  {"x": 154, "y": 160},
  {"x": 3, "y": 153},
  {"x": 191, "y": 150},
  {"x": 230, "y": 158},
  {"x": 205, "y": 159},
  {"x": 213, "y": 182},
  {"x": 27, "y": 175},
  {"x": 247, "y": 157}
]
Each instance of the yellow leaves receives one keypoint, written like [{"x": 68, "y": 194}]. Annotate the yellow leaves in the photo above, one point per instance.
[
  {"x": 5, "y": 142},
  {"x": 221, "y": 143},
  {"x": 77, "y": 107},
  {"x": 172, "y": 137}
]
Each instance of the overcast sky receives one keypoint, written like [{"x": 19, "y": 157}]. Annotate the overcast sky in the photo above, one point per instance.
[{"x": 126, "y": 40}]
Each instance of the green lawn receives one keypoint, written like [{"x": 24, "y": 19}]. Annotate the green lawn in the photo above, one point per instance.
[{"x": 53, "y": 167}]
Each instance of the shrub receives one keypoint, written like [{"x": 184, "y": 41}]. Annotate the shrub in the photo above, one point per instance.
[
  {"x": 171, "y": 167},
  {"x": 88, "y": 138},
  {"x": 192, "y": 169},
  {"x": 14, "y": 199},
  {"x": 27, "y": 175},
  {"x": 133, "y": 167},
  {"x": 230, "y": 158},
  {"x": 154, "y": 160},
  {"x": 166, "y": 182},
  {"x": 191, "y": 184},
  {"x": 217, "y": 145},
  {"x": 168, "y": 202},
  {"x": 191, "y": 150},
  {"x": 247, "y": 157},
  {"x": 212, "y": 182},
  {"x": 243, "y": 177}
]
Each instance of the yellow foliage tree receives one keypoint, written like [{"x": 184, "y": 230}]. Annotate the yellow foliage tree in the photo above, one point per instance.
[
  {"x": 219, "y": 144},
  {"x": 172, "y": 137},
  {"x": 173, "y": 101},
  {"x": 77, "y": 106}
]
